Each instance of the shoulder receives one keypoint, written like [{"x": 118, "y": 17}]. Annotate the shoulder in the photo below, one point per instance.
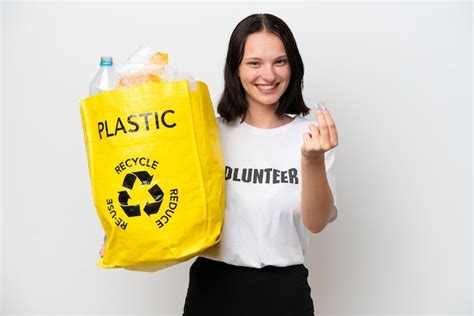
[
  {"x": 226, "y": 128},
  {"x": 220, "y": 120},
  {"x": 222, "y": 123}
]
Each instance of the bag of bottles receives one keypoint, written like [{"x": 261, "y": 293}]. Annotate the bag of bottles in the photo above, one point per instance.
[{"x": 157, "y": 172}]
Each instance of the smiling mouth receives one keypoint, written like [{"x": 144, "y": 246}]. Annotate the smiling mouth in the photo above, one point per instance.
[{"x": 267, "y": 88}]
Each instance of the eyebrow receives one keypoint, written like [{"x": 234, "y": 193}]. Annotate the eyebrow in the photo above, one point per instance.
[{"x": 257, "y": 58}]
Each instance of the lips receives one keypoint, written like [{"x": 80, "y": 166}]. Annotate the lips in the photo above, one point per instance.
[{"x": 267, "y": 88}]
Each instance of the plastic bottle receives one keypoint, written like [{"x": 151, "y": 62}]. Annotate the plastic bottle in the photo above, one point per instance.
[{"x": 106, "y": 78}]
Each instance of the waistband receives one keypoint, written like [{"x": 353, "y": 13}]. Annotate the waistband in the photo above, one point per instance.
[{"x": 225, "y": 265}]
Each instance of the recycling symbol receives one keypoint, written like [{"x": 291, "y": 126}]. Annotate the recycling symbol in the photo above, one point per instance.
[{"x": 155, "y": 191}]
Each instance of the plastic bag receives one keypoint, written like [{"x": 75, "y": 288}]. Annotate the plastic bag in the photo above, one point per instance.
[
  {"x": 148, "y": 65},
  {"x": 157, "y": 172}
]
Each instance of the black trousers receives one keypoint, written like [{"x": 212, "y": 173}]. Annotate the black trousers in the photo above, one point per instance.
[{"x": 220, "y": 289}]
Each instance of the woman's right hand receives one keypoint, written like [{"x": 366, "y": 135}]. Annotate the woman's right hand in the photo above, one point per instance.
[{"x": 102, "y": 249}]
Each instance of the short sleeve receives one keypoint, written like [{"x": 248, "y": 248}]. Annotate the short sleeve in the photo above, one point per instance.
[{"x": 330, "y": 160}]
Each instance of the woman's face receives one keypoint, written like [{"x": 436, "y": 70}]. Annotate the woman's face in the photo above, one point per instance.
[{"x": 264, "y": 71}]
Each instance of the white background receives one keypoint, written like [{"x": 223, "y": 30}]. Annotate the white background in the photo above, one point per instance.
[{"x": 396, "y": 77}]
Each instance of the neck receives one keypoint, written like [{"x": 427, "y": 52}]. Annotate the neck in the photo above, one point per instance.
[{"x": 265, "y": 117}]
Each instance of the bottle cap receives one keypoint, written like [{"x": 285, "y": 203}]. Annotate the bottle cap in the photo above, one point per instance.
[{"x": 106, "y": 61}]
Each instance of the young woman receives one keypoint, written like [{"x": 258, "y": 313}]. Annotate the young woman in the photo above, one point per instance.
[{"x": 279, "y": 181}]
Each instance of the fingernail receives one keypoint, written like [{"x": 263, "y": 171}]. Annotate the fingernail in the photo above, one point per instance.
[{"x": 322, "y": 105}]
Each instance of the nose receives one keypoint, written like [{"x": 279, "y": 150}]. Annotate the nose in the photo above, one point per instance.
[{"x": 268, "y": 73}]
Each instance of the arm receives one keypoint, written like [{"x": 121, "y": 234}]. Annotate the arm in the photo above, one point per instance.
[{"x": 317, "y": 202}]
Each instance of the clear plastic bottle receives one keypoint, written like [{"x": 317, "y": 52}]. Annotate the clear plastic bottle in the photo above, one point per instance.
[{"x": 106, "y": 78}]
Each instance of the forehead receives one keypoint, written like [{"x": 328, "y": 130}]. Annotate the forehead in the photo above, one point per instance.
[{"x": 263, "y": 44}]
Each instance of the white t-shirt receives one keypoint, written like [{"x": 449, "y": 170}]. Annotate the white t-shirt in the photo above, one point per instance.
[{"x": 262, "y": 223}]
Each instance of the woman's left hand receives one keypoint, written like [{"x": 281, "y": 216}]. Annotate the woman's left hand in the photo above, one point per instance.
[{"x": 320, "y": 138}]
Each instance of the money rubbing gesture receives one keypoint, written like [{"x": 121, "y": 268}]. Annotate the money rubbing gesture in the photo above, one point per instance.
[{"x": 322, "y": 137}]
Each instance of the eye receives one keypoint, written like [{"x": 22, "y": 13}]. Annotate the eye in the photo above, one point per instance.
[
  {"x": 253, "y": 63},
  {"x": 281, "y": 62}
]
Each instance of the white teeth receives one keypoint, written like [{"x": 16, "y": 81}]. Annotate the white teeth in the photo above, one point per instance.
[{"x": 266, "y": 87}]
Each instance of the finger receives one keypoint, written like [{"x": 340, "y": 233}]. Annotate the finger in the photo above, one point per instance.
[
  {"x": 102, "y": 250},
  {"x": 331, "y": 126},
  {"x": 315, "y": 141},
  {"x": 314, "y": 131},
  {"x": 323, "y": 130},
  {"x": 311, "y": 142},
  {"x": 306, "y": 137},
  {"x": 321, "y": 109},
  {"x": 320, "y": 117}
]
